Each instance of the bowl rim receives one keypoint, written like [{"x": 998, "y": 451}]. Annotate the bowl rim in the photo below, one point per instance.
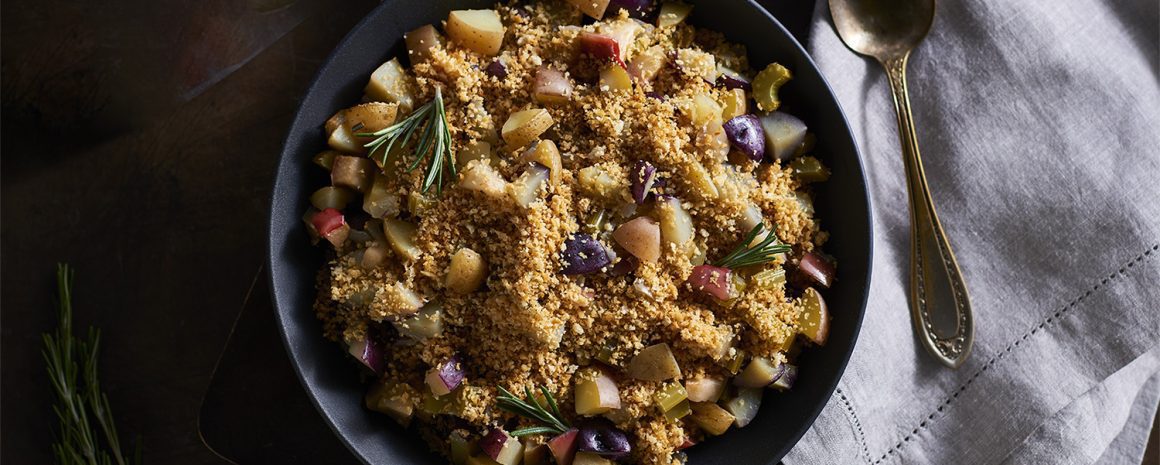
[{"x": 295, "y": 126}]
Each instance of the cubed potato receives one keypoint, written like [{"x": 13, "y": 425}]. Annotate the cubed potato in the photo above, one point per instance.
[
  {"x": 332, "y": 197},
  {"x": 480, "y": 31},
  {"x": 421, "y": 41},
  {"x": 676, "y": 223},
  {"x": 647, "y": 64},
  {"x": 700, "y": 182},
  {"x": 759, "y": 373},
  {"x": 427, "y": 323},
  {"x": 525, "y": 190},
  {"x": 713, "y": 140},
  {"x": 597, "y": 181},
  {"x": 734, "y": 104},
  {"x": 592, "y": 8},
  {"x": 654, "y": 363},
  {"x": 673, "y": 13},
  {"x": 535, "y": 451},
  {"x": 641, "y": 237},
  {"x": 401, "y": 236},
  {"x": 334, "y": 121},
  {"x": 481, "y": 177},
  {"x": 614, "y": 78},
  {"x": 698, "y": 64},
  {"x": 523, "y": 127},
  {"x": 623, "y": 32},
  {"x": 551, "y": 87},
  {"x": 705, "y": 389},
  {"x": 418, "y": 203},
  {"x": 545, "y": 153},
  {"x": 374, "y": 256},
  {"x": 744, "y": 405},
  {"x": 596, "y": 393},
  {"x": 398, "y": 300},
  {"x": 467, "y": 272},
  {"x": 712, "y": 419},
  {"x": 369, "y": 117},
  {"x": 325, "y": 158},
  {"x": 381, "y": 200},
  {"x": 390, "y": 83},
  {"x": 590, "y": 458},
  {"x": 705, "y": 111},
  {"x": 342, "y": 140},
  {"x": 814, "y": 320},
  {"x": 475, "y": 150},
  {"x": 394, "y": 399},
  {"x": 355, "y": 173}
]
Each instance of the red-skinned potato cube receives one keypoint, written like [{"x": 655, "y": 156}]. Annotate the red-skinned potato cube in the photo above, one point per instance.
[{"x": 601, "y": 47}]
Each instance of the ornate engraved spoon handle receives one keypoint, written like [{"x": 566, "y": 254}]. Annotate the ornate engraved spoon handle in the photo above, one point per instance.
[{"x": 939, "y": 305}]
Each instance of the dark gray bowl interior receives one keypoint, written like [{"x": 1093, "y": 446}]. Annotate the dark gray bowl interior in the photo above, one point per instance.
[{"x": 332, "y": 381}]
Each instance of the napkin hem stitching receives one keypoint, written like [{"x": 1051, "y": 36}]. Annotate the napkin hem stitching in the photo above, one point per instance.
[
  {"x": 856, "y": 422},
  {"x": 1058, "y": 313}
]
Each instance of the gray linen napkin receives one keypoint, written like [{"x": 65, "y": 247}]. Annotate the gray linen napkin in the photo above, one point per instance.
[{"x": 1039, "y": 122}]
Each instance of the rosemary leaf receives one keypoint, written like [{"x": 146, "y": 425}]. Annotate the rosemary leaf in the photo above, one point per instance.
[
  {"x": 553, "y": 421},
  {"x": 744, "y": 255},
  {"x": 432, "y": 149}
]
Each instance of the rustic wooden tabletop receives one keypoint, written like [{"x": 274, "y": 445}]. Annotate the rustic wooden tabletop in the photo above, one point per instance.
[{"x": 139, "y": 139}]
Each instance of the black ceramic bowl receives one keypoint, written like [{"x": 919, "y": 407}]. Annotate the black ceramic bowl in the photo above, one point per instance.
[{"x": 330, "y": 378}]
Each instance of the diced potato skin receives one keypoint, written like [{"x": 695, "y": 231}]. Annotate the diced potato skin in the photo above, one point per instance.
[
  {"x": 355, "y": 173},
  {"x": 480, "y": 31},
  {"x": 421, "y": 41},
  {"x": 654, "y": 363},
  {"x": 467, "y": 272},
  {"x": 546, "y": 153},
  {"x": 523, "y": 127},
  {"x": 390, "y": 83},
  {"x": 640, "y": 237},
  {"x": 369, "y": 117}
]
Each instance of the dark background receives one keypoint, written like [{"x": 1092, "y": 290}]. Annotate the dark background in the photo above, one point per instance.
[{"x": 138, "y": 143}]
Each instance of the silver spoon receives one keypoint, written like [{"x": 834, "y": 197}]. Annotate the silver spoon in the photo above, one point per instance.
[{"x": 888, "y": 30}]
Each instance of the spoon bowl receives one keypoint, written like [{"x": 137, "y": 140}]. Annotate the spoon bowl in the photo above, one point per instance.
[{"x": 883, "y": 29}]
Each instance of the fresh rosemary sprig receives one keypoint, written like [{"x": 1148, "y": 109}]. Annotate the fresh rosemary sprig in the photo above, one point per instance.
[
  {"x": 532, "y": 409},
  {"x": 79, "y": 405},
  {"x": 430, "y": 120},
  {"x": 744, "y": 255}
]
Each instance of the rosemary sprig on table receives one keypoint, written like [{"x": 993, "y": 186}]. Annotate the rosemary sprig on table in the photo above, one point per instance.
[
  {"x": 88, "y": 434},
  {"x": 745, "y": 255},
  {"x": 532, "y": 409},
  {"x": 430, "y": 121}
]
